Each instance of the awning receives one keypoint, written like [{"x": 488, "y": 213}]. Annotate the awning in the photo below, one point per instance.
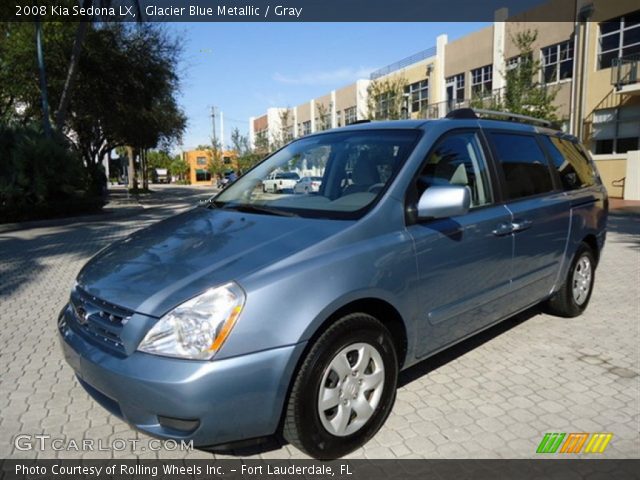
[{"x": 199, "y": 170}]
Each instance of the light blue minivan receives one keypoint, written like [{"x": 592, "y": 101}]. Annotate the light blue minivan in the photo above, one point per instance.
[{"x": 280, "y": 313}]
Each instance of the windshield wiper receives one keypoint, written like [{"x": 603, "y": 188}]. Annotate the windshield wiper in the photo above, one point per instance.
[{"x": 250, "y": 208}]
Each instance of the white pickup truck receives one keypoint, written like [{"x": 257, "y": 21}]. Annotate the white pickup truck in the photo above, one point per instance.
[{"x": 280, "y": 181}]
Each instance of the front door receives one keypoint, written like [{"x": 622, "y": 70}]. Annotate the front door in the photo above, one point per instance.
[{"x": 464, "y": 263}]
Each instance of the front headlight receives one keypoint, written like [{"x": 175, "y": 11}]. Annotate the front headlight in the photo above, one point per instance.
[{"x": 197, "y": 328}]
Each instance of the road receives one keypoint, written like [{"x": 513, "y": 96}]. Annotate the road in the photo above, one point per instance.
[{"x": 493, "y": 396}]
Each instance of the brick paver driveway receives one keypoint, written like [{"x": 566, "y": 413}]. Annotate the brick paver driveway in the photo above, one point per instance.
[{"x": 494, "y": 395}]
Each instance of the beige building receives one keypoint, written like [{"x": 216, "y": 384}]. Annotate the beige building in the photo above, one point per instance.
[
  {"x": 607, "y": 107},
  {"x": 335, "y": 109},
  {"x": 591, "y": 64}
]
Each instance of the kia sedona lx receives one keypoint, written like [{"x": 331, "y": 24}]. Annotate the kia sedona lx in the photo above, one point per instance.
[{"x": 270, "y": 312}]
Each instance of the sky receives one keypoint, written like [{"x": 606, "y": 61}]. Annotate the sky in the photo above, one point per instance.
[{"x": 245, "y": 68}]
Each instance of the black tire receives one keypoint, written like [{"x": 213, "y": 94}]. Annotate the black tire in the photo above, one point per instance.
[
  {"x": 303, "y": 427},
  {"x": 563, "y": 303}
]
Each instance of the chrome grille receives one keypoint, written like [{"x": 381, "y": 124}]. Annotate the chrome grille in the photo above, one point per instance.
[{"x": 98, "y": 321}]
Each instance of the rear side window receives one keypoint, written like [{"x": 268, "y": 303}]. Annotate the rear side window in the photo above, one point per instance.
[
  {"x": 572, "y": 164},
  {"x": 526, "y": 170}
]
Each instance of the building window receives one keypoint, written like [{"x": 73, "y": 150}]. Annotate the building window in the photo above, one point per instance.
[
  {"x": 418, "y": 95},
  {"x": 226, "y": 160},
  {"x": 350, "y": 115},
  {"x": 385, "y": 105},
  {"x": 513, "y": 62},
  {"x": 619, "y": 37},
  {"x": 557, "y": 62},
  {"x": 616, "y": 130},
  {"x": 482, "y": 81},
  {"x": 339, "y": 118},
  {"x": 201, "y": 160},
  {"x": 455, "y": 87},
  {"x": 306, "y": 127},
  {"x": 203, "y": 175}
]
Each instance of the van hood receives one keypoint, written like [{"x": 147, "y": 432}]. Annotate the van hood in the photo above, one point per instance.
[{"x": 159, "y": 267}]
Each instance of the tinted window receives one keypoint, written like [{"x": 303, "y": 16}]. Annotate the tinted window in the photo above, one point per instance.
[
  {"x": 288, "y": 176},
  {"x": 525, "y": 166},
  {"x": 572, "y": 164},
  {"x": 458, "y": 160}
]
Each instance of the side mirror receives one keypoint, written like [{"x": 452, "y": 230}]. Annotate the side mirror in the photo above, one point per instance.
[{"x": 444, "y": 202}]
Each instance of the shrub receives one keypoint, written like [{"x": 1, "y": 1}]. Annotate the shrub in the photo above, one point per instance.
[{"x": 42, "y": 178}]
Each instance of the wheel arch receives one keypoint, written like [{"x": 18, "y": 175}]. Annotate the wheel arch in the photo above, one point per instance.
[
  {"x": 378, "y": 308},
  {"x": 592, "y": 241}
]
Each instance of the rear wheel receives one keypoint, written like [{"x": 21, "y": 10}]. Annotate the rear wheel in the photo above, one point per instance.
[
  {"x": 344, "y": 389},
  {"x": 573, "y": 296}
]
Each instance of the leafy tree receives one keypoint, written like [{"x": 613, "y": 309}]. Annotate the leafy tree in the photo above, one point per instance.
[
  {"x": 524, "y": 93},
  {"x": 261, "y": 144},
  {"x": 126, "y": 92},
  {"x": 323, "y": 118},
  {"x": 246, "y": 158},
  {"x": 385, "y": 98},
  {"x": 179, "y": 167},
  {"x": 284, "y": 134},
  {"x": 20, "y": 90},
  {"x": 248, "y": 161},
  {"x": 158, "y": 159},
  {"x": 239, "y": 142}
]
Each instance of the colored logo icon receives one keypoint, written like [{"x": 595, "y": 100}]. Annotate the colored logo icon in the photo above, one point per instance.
[{"x": 574, "y": 442}]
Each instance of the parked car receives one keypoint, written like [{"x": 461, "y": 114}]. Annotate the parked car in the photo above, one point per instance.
[
  {"x": 308, "y": 185},
  {"x": 280, "y": 181},
  {"x": 295, "y": 313}
]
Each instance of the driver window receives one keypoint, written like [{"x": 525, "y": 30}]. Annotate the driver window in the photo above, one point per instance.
[{"x": 458, "y": 160}]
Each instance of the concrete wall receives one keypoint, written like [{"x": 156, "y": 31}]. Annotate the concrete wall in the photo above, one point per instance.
[
  {"x": 549, "y": 33},
  {"x": 469, "y": 52},
  {"x": 611, "y": 168}
]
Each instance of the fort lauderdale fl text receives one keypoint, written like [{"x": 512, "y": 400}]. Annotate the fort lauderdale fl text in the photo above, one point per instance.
[
  {"x": 154, "y": 11},
  {"x": 174, "y": 470}
]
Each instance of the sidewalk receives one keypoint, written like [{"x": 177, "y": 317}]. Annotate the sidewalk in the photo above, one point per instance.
[{"x": 121, "y": 204}]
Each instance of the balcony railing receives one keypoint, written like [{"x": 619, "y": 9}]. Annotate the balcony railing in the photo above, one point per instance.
[
  {"x": 405, "y": 62},
  {"x": 624, "y": 71},
  {"x": 440, "y": 109}
]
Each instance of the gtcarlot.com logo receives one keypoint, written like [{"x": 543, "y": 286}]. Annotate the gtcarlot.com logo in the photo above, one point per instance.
[
  {"x": 44, "y": 442},
  {"x": 574, "y": 442}
]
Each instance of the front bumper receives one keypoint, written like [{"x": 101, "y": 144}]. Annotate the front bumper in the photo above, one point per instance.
[{"x": 225, "y": 400}]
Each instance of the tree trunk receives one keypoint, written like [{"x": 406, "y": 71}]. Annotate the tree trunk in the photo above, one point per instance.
[
  {"x": 132, "y": 168},
  {"x": 143, "y": 166},
  {"x": 46, "y": 125},
  {"x": 81, "y": 32}
]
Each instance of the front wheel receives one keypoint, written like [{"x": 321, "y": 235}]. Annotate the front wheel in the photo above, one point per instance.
[
  {"x": 573, "y": 296},
  {"x": 344, "y": 390}
]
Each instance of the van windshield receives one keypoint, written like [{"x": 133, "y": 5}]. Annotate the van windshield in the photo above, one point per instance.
[{"x": 354, "y": 168}]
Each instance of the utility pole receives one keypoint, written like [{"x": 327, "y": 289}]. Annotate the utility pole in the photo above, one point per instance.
[
  {"x": 213, "y": 125},
  {"x": 222, "y": 131}
]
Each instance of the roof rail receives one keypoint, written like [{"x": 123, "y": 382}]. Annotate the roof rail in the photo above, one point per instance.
[{"x": 469, "y": 113}]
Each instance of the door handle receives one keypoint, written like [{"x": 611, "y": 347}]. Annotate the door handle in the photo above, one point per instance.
[
  {"x": 503, "y": 229},
  {"x": 520, "y": 225}
]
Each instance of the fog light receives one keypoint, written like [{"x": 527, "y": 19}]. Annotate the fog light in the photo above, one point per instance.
[{"x": 179, "y": 424}]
